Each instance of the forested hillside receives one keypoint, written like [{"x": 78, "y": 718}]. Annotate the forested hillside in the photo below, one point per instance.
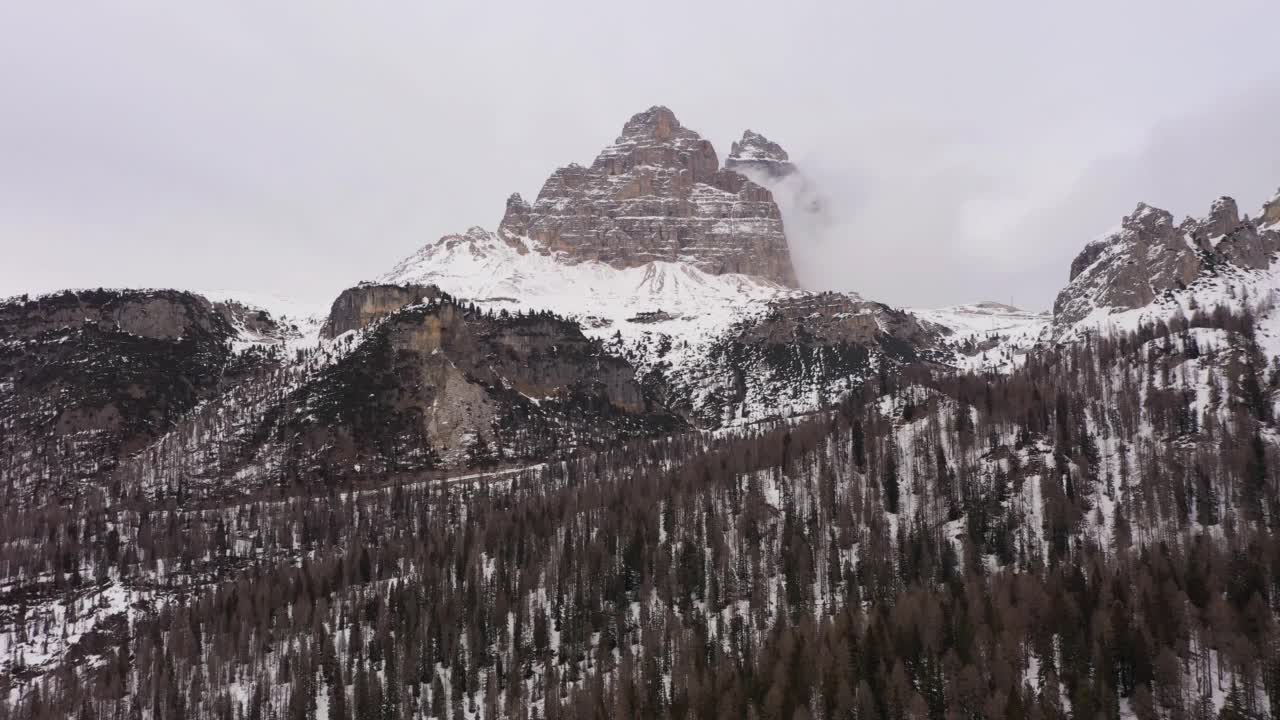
[{"x": 1092, "y": 535}]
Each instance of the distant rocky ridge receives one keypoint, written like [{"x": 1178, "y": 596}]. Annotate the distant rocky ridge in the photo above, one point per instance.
[
  {"x": 439, "y": 383},
  {"x": 650, "y": 292},
  {"x": 1149, "y": 270},
  {"x": 1151, "y": 256},
  {"x": 776, "y": 357},
  {"x": 800, "y": 353},
  {"x": 89, "y": 376},
  {"x": 155, "y": 314},
  {"x": 358, "y": 307}
]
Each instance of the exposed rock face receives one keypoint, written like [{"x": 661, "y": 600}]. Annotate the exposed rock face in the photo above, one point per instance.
[
  {"x": 86, "y": 377},
  {"x": 159, "y": 314},
  {"x": 1271, "y": 212},
  {"x": 657, "y": 193},
  {"x": 1150, "y": 255},
  {"x": 514, "y": 228},
  {"x": 1223, "y": 218},
  {"x": 358, "y": 307},
  {"x": 437, "y": 380},
  {"x": 756, "y": 153},
  {"x": 1224, "y": 237}
]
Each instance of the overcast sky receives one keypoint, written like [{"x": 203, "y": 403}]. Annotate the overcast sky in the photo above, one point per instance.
[{"x": 969, "y": 149}]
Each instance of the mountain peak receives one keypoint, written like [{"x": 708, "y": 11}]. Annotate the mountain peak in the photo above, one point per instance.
[
  {"x": 755, "y": 153},
  {"x": 1148, "y": 217},
  {"x": 656, "y": 194},
  {"x": 658, "y": 122},
  {"x": 515, "y": 223},
  {"x": 1271, "y": 210},
  {"x": 754, "y": 146},
  {"x": 1224, "y": 217},
  {"x": 655, "y": 138}
]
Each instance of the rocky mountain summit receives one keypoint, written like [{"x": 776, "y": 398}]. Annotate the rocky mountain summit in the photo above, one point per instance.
[
  {"x": 1150, "y": 257},
  {"x": 757, "y": 153},
  {"x": 801, "y": 199},
  {"x": 657, "y": 193}
]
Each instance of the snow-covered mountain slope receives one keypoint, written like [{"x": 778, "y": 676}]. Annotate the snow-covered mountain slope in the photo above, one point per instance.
[
  {"x": 678, "y": 298},
  {"x": 678, "y": 265},
  {"x": 989, "y": 335},
  {"x": 296, "y": 322},
  {"x": 725, "y": 349},
  {"x": 661, "y": 314}
]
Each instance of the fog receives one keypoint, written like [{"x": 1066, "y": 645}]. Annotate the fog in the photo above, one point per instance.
[{"x": 967, "y": 150}]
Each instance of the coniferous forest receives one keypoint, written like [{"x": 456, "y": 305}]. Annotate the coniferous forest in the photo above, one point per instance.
[{"x": 1093, "y": 535}]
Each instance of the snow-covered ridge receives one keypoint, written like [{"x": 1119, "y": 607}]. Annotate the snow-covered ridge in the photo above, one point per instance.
[
  {"x": 981, "y": 317},
  {"x": 687, "y": 301},
  {"x": 989, "y": 335}
]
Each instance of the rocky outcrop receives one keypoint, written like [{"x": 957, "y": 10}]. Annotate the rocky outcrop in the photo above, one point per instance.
[
  {"x": 89, "y": 376},
  {"x": 756, "y": 153},
  {"x": 1271, "y": 212},
  {"x": 358, "y": 307},
  {"x": 439, "y": 382},
  {"x": 802, "y": 353},
  {"x": 1223, "y": 237},
  {"x": 514, "y": 228},
  {"x": 1150, "y": 255},
  {"x": 1223, "y": 219},
  {"x": 657, "y": 193},
  {"x": 157, "y": 314}
]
